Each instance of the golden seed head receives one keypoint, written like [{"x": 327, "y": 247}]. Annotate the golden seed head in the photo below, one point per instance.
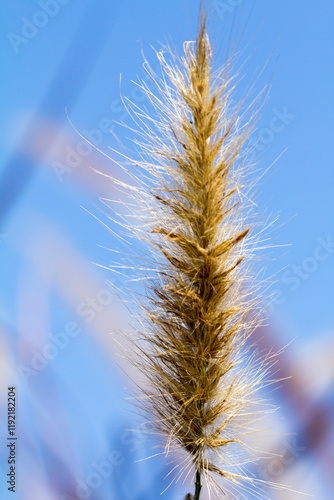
[{"x": 199, "y": 309}]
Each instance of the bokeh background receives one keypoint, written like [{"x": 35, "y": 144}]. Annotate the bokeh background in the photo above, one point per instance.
[{"x": 61, "y": 60}]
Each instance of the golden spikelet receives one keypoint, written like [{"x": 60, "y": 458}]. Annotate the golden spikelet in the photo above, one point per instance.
[{"x": 199, "y": 309}]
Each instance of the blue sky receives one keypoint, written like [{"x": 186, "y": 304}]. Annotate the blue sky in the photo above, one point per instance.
[{"x": 298, "y": 41}]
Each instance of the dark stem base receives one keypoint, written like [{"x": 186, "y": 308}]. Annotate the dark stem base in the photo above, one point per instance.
[{"x": 198, "y": 485}]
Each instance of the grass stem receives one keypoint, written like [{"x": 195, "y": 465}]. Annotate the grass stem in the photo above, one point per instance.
[{"x": 198, "y": 485}]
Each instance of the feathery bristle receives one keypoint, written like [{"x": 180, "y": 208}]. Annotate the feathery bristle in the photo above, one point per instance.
[{"x": 200, "y": 310}]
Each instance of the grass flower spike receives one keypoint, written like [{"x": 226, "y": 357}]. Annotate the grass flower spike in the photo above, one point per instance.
[{"x": 192, "y": 343}]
